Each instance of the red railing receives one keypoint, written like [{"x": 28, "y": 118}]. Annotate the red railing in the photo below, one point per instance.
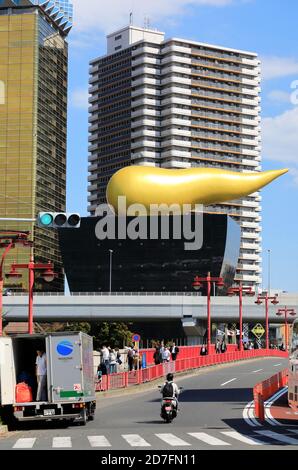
[
  {"x": 265, "y": 390},
  {"x": 184, "y": 352},
  {"x": 136, "y": 377}
]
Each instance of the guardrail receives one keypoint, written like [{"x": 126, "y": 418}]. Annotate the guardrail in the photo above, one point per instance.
[
  {"x": 267, "y": 388},
  {"x": 139, "y": 376}
]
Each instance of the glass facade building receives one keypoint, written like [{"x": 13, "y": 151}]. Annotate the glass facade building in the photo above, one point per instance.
[
  {"x": 148, "y": 264},
  {"x": 33, "y": 121}
]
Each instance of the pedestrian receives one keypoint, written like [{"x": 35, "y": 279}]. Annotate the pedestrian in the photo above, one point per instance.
[
  {"x": 130, "y": 356},
  {"x": 106, "y": 358},
  {"x": 41, "y": 375},
  {"x": 136, "y": 358},
  {"x": 156, "y": 356},
  {"x": 113, "y": 361},
  {"x": 223, "y": 346},
  {"x": 118, "y": 358},
  {"x": 217, "y": 347},
  {"x": 203, "y": 351},
  {"x": 166, "y": 355},
  {"x": 174, "y": 351}
]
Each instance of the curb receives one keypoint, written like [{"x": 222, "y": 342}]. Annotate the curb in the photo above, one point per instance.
[{"x": 148, "y": 386}]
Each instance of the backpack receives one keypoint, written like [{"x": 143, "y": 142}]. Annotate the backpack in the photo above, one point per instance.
[{"x": 168, "y": 390}]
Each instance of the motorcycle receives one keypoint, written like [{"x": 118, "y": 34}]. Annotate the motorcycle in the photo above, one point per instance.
[{"x": 169, "y": 408}]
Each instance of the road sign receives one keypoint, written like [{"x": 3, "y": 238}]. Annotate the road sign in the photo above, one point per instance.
[
  {"x": 136, "y": 338},
  {"x": 258, "y": 330}
]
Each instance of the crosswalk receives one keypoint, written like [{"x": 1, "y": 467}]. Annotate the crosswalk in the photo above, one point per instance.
[{"x": 188, "y": 440}]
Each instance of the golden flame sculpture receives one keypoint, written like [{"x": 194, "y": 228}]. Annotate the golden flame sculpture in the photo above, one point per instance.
[{"x": 153, "y": 185}]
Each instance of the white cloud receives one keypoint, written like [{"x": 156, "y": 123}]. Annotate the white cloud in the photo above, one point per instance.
[
  {"x": 105, "y": 15},
  {"x": 277, "y": 67},
  {"x": 280, "y": 137},
  {"x": 279, "y": 96},
  {"x": 79, "y": 98}
]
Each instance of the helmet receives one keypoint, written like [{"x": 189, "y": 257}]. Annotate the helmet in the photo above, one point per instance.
[{"x": 170, "y": 377}]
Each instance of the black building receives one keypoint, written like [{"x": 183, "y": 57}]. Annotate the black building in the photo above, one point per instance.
[{"x": 148, "y": 265}]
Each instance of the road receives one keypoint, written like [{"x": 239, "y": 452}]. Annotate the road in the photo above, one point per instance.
[{"x": 211, "y": 417}]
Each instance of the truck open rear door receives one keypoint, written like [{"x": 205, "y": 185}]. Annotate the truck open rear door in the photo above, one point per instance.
[
  {"x": 7, "y": 372},
  {"x": 65, "y": 368}
]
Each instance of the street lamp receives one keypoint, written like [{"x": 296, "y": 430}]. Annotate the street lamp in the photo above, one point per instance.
[
  {"x": 48, "y": 276},
  {"x": 240, "y": 291},
  {"x": 111, "y": 264},
  {"x": 274, "y": 301},
  {"x": 285, "y": 311},
  {"x": 8, "y": 240},
  {"x": 198, "y": 284}
]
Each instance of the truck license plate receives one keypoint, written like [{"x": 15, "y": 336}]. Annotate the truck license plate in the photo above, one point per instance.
[{"x": 48, "y": 412}]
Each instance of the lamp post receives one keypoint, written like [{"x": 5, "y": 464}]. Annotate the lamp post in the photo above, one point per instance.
[
  {"x": 240, "y": 290},
  {"x": 111, "y": 267},
  {"x": 48, "y": 276},
  {"x": 8, "y": 240},
  {"x": 197, "y": 284},
  {"x": 266, "y": 297},
  {"x": 285, "y": 311}
]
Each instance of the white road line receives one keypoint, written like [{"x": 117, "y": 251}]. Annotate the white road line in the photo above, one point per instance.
[
  {"x": 213, "y": 441},
  {"x": 61, "y": 442},
  {"x": 268, "y": 405},
  {"x": 276, "y": 365},
  {"x": 134, "y": 440},
  {"x": 172, "y": 440},
  {"x": 246, "y": 415},
  {"x": 229, "y": 381},
  {"x": 254, "y": 371},
  {"x": 295, "y": 431},
  {"x": 98, "y": 441},
  {"x": 240, "y": 437},
  {"x": 26, "y": 443},
  {"x": 278, "y": 437}
]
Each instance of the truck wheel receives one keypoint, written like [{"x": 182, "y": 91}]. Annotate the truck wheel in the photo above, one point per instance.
[
  {"x": 91, "y": 412},
  {"x": 83, "y": 420}
]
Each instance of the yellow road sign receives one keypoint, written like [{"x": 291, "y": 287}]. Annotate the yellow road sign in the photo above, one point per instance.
[{"x": 258, "y": 330}]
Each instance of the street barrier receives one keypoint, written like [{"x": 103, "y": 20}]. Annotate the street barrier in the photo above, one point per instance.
[
  {"x": 139, "y": 376},
  {"x": 266, "y": 389}
]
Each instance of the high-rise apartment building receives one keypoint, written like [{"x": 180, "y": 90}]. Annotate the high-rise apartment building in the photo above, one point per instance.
[
  {"x": 176, "y": 103},
  {"x": 33, "y": 108}
]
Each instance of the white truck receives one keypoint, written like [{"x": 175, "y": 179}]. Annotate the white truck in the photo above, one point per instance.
[{"x": 70, "y": 377}]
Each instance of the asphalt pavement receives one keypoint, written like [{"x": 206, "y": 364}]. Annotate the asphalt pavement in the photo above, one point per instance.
[{"x": 210, "y": 417}]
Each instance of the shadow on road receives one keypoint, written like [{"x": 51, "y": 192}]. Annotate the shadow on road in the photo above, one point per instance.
[{"x": 217, "y": 395}]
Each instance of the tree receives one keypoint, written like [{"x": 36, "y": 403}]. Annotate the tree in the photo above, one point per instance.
[{"x": 116, "y": 334}]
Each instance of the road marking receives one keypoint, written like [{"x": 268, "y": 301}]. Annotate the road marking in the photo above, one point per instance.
[
  {"x": 61, "y": 442},
  {"x": 254, "y": 371},
  {"x": 134, "y": 440},
  {"x": 278, "y": 437},
  {"x": 295, "y": 431},
  {"x": 229, "y": 381},
  {"x": 172, "y": 440},
  {"x": 275, "y": 365},
  {"x": 26, "y": 443},
  {"x": 240, "y": 437},
  {"x": 98, "y": 441},
  {"x": 248, "y": 415},
  {"x": 213, "y": 441},
  {"x": 268, "y": 405}
]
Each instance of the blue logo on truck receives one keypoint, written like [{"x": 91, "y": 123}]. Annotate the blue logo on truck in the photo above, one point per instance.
[{"x": 65, "y": 348}]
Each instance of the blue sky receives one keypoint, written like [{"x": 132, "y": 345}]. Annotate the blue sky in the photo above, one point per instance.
[{"x": 268, "y": 27}]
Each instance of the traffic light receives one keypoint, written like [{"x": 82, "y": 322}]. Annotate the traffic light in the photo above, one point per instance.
[{"x": 58, "y": 220}]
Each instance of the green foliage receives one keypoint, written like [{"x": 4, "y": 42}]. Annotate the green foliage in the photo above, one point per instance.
[
  {"x": 115, "y": 334},
  {"x": 80, "y": 326}
]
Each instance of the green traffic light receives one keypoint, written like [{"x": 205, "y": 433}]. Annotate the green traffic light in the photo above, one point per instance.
[{"x": 46, "y": 219}]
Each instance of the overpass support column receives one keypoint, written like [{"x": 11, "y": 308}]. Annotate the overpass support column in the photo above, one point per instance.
[{"x": 194, "y": 331}]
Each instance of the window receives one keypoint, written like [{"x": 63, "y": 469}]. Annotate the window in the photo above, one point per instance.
[
  {"x": 117, "y": 48},
  {"x": 118, "y": 37}
]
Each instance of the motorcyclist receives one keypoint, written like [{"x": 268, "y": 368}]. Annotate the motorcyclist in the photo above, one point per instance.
[{"x": 176, "y": 391}]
